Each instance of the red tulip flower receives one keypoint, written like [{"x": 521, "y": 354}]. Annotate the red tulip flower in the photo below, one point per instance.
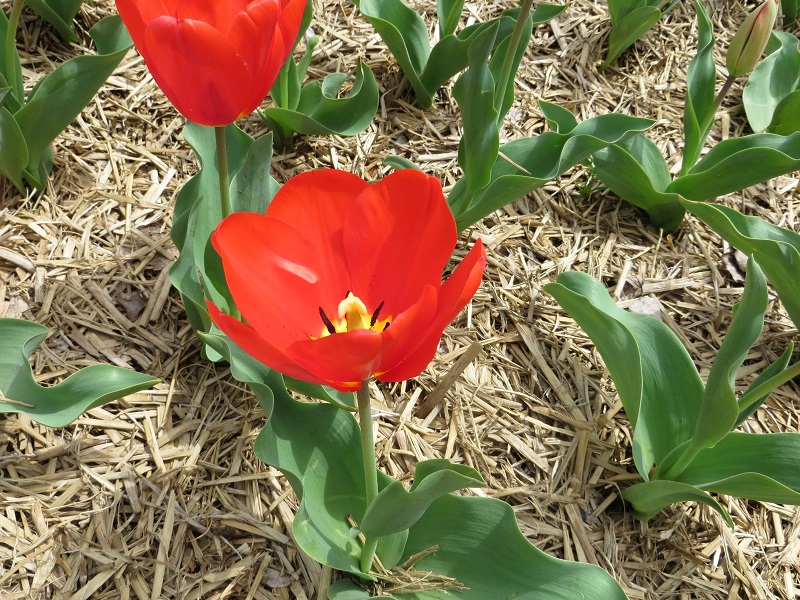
[
  {"x": 341, "y": 280},
  {"x": 215, "y": 60}
]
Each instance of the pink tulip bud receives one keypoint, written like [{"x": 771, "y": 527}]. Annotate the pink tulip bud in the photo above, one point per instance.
[{"x": 748, "y": 44}]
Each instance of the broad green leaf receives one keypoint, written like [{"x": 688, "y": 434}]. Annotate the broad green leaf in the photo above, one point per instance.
[
  {"x": 629, "y": 29},
  {"x": 786, "y": 119},
  {"x": 60, "y": 14},
  {"x": 474, "y": 91},
  {"x": 737, "y": 163},
  {"x": 481, "y": 546},
  {"x": 252, "y": 187},
  {"x": 13, "y": 150},
  {"x": 655, "y": 377},
  {"x": 774, "y": 369},
  {"x": 320, "y": 110},
  {"x": 526, "y": 164},
  {"x": 396, "y": 509},
  {"x": 558, "y": 118},
  {"x": 774, "y": 78},
  {"x": 15, "y": 77},
  {"x": 619, "y": 9},
  {"x": 61, "y": 403},
  {"x": 64, "y": 92},
  {"x": 651, "y": 497},
  {"x": 635, "y": 170},
  {"x": 756, "y": 466},
  {"x": 449, "y": 13},
  {"x": 789, "y": 8},
  {"x": 197, "y": 214},
  {"x": 698, "y": 111},
  {"x": 404, "y": 33},
  {"x": 777, "y": 250},
  {"x": 720, "y": 410}
]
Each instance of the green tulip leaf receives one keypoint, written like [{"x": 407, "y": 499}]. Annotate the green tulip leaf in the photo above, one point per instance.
[
  {"x": 480, "y": 546},
  {"x": 776, "y": 249},
  {"x": 651, "y": 497},
  {"x": 59, "y": 404},
  {"x": 320, "y": 110},
  {"x": 789, "y": 8},
  {"x": 786, "y": 119},
  {"x": 759, "y": 467},
  {"x": 655, "y": 377},
  {"x": 60, "y": 14},
  {"x": 62, "y": 94},
  {"x": 405, "y": 34},
  {"x": 558, "y": 118},
  {"x": 396, "y": 509},
  {"x": 474, "y": 91},
  {"x": 776, "y": 368},
  {"x": 737, "y": 163},
  {"x": 773, "y": 79},
  {"x": 635, "y": 170},
  {"x": 15, "y": 77},
  {"x": 619, "y": 9},
  {"x": 629, "y": 29},
  {"x": 449, "y": 13},
  {"x": 252, "y": 187},
  {"x": 526, "y": 164},
  {"x": 719, "y": 410},
  {"x": 13, "y": 150},
  {"x": 503, "y": 99},
  {"x": 698, "y": 111},
  {"x": 197, "y": 274}
]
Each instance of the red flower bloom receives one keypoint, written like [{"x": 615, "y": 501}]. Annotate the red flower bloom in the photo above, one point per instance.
[
  {"x": 215, "y": 60},
  {"x": 342, "y": 279}
]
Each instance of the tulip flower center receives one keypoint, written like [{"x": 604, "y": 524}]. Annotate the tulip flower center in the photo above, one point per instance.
[{"x": 352, "y": 315}]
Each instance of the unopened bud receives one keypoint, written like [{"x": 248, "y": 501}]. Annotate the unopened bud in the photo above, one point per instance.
[{"x": 748, "y": 44}]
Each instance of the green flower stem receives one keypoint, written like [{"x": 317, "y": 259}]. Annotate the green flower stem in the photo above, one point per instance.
[
  {"x": 11, "y": 40},
  {"x": 508, "y": 60},
  {"x": 370, "y": 466},
  {"x": 283, "y": 74},
  {"x": 222, "y": 171}
]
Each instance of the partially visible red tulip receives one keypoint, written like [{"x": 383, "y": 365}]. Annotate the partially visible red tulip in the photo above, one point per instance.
[
  {"x": 342, "y": 280},
  {"x": 215, "y": 60}
]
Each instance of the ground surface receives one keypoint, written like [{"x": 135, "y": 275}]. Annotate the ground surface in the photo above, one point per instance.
[{"x": 160, "y": 496}]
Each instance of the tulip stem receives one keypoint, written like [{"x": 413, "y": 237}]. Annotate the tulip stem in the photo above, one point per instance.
[
  {"x": 222, "y": 171},
  {"x": 11, "y": 39},
  {"x": 508, "y": 60},
  {"x": 370, "y": 467}
]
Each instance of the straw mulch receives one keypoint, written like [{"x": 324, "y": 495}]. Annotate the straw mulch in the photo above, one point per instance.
[{"x": 160, "y": 495}]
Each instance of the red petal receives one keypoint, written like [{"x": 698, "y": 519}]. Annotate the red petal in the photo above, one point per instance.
[
  {"x": 257, "y": 347},
  {"x": 315, "y": 204},
  {"x": 343, "y": 360},
  {"x": 453, "y": 296},
  {"x": 198, "y": 70},
  {"x": 273, "y": 276},
  {"x": 398, "y": 238},
  {"x": 403, "y": 336}
]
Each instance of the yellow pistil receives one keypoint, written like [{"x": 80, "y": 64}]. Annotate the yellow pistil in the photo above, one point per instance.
[{"x": 352, "y": 315}]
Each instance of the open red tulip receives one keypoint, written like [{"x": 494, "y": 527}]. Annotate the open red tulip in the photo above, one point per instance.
[
  {"x": 341, "y": 279},
  {"x": 215, "y": 60}
]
